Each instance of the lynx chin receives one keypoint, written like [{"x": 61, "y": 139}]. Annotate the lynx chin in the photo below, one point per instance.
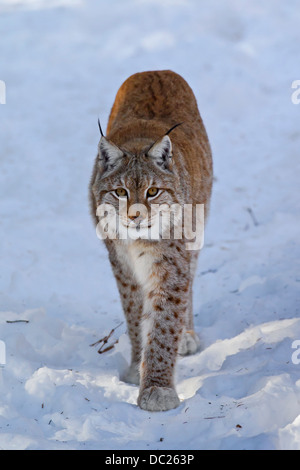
[{"x": 155, "y": 156}]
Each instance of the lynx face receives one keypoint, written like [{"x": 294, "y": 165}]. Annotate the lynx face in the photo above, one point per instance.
[{"x": 137, "y": 192}]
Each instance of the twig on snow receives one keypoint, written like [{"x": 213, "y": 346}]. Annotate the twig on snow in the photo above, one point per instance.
[
  {"x": 17, "y": 321},
  {"x": 254, "y": 220},
  {"x": 104, "y": 341}
]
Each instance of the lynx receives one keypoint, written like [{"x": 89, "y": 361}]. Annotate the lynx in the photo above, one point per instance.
[{"x": 155, "y": 153}]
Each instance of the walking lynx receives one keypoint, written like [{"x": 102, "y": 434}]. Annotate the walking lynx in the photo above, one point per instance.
[{"x": 147, "y": 160}]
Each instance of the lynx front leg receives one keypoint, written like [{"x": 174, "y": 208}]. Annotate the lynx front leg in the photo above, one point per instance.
[
  {"x": 132, "y": 303},
  {"x": 163, "y": 324},
  {"x": 157, "y": 392}
]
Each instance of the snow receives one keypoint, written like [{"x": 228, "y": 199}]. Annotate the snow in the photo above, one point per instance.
[{"x": 62, "y": 63}]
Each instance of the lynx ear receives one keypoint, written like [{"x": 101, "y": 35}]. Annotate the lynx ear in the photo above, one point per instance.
[
  {"x": 109, "y": 155},
  {"x": 161, "y": 153}
]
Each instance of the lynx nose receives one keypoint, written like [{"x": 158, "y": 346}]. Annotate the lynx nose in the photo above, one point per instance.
[
  {"x": 134, "y": 216},
  {"x": 137, "y": 213}
]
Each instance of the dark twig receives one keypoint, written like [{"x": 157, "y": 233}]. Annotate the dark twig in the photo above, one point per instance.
[
  {"x": 104, "y": 341},
  {"x": 214, "y": 417},
  {"x": 17, "y": 321},
  {"x": 254, "y": 220}
]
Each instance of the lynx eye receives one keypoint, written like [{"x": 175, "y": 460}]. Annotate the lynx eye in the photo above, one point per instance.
[
  {"x": 121, "y": 192},
  {"x": 152, "y": 192}
]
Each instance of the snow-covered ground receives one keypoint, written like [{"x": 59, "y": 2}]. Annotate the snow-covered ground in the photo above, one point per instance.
[{"x": 62, "y": 63}]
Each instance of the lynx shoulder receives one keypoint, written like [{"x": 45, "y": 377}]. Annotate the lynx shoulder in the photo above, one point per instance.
[{"x": 154, "y": 162}]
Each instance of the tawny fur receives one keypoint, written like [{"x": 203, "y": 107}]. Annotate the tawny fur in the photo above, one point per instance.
[{"x": 154, "y": 277}]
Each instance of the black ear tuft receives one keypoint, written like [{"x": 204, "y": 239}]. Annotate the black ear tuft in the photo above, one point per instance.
[
  {"x": 100, "y": 128},
  {"x": 173, "y": 127}
]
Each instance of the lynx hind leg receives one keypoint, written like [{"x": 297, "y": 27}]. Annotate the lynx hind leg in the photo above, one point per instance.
[
  {"x": 190, "y": 342},
  {"x": 132, "y": 374}
]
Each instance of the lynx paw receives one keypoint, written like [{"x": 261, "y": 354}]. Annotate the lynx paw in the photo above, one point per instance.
[
  {"x": 132, "y": 375},
  {"x": 190, "y": 343},
  {"x": 158, "y": 399}
]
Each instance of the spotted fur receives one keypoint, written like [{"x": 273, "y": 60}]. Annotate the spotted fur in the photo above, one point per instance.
[{"x": 154, "y": 277}]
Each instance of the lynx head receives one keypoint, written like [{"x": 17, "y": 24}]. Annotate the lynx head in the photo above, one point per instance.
[{"x": 136, "y": 189}]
